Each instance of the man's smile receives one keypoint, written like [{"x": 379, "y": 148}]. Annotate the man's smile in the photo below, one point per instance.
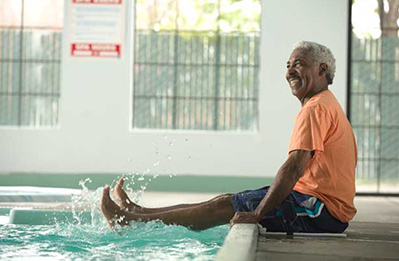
[{"x": 295, "y": 81}]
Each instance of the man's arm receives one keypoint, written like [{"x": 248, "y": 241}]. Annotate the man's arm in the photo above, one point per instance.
[{"x": 286, "y": 178}]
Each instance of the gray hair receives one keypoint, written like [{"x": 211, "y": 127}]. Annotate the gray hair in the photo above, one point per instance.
[{"x": 319, "y": 54}]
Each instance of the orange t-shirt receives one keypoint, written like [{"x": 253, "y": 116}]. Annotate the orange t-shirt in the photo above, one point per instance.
[{"x": 322, "y": 126}]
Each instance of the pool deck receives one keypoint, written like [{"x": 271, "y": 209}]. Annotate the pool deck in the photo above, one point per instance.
[
  {"x": 372, "y": 235},
  {"x": 364, "y": 241}
]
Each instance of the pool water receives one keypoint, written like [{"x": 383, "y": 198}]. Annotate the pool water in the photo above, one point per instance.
[
  {"x": 78, "y": 239},
  {"x": 139, "y": 241}
]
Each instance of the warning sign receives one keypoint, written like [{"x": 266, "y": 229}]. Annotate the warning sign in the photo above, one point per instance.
[
  {"x": 99, "y": 49},
  {"x": 96, "y": 28}
]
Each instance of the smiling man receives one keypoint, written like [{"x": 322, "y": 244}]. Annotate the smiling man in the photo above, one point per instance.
[{"x": 313, "y": 190}]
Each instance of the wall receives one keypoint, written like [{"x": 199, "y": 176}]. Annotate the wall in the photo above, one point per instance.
[{"x": 94, "y": 134}]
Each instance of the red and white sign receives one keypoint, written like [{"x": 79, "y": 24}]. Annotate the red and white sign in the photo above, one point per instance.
[
  {"x": 96, "y": 50},
  {"x": 96, "y": 28}
]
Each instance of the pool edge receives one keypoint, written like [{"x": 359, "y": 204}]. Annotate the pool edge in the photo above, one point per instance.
[
  {"x": 240, "y": 243},
  {"x": 29, "y": 216}
]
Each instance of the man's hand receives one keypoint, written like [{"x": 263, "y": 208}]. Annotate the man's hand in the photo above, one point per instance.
[{"x": 243, "y": 217}]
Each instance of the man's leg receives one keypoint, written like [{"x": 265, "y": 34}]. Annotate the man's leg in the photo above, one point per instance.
[
  {"x": 123, "y": 200},
  {"x": 217, "y": 211}
]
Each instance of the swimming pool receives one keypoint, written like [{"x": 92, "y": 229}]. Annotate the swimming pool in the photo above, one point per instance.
[
  {"x": 139, "y": 241},
  {"x": 81, "y": 233}
]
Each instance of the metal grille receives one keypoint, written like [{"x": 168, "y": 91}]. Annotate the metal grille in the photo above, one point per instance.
[
  {"x": 30, "y": 59},
  {"x": 375, "y": 108},
  {"x": 195, "y": 79}
]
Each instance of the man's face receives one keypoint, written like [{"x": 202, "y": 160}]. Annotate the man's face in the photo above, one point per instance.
[{"x": 302, "y": 74}]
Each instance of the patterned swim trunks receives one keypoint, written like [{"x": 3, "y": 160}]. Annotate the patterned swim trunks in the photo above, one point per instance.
[{"x": 297, "y": 213}]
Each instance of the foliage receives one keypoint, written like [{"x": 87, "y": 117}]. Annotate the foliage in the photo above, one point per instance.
[{"x": 198, "y": 15}]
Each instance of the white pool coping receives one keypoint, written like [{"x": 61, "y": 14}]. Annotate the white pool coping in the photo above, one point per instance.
[
  {"x": 240, "y": 244},
  {"x": 36, "y": 194}
]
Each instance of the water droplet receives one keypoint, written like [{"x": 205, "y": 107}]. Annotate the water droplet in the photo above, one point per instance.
[
  {"x": 140, "y": 179},
  {"x": 171, "y": 143},
  {"x": 189, "y": 157},
  {"x": 156, "y": 164},
  {"x": 129, "y": 159},
  {"x": 165, "y": 137},
  {"x": 169, "y": 157},
  {"x": 186, "y": 139},
  {"x": 155, "y": 175},
  {"x": 171, "y": 176}
]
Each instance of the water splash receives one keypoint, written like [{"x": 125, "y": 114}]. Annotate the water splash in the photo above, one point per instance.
[
  {"x": 136, "y": 183},
  {"x": 87, "y": 201},
  {"x": 156, "y": 163}
]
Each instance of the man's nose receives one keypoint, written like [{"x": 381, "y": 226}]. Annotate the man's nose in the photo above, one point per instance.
[{"x": 290, "y": 70}]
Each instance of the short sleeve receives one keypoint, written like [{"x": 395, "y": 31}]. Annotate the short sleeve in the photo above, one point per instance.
[{"x": 310, "y": 130}]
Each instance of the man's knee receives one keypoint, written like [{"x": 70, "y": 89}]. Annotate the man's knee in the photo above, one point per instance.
[{"x": 224, "y": 201}]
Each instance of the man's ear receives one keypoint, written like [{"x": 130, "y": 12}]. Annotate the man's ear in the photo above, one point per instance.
[{"x": 322, "y": 68}]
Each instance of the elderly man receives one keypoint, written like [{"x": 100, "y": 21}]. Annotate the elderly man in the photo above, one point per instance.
[{"x": 313, "y": 190}]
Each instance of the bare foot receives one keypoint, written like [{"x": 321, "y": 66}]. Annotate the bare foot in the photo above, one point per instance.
[
  {"x": 111, "y": 211},
  {"x": 123, "y": 200}
]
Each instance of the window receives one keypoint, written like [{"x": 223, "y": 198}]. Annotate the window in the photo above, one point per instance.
[
  {"x": 30, "y": 54},
  {"x": 374, "y": 96},
  {"x": 196, "y": 64}
]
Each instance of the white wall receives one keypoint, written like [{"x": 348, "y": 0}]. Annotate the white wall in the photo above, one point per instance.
[{"x": 94, "y": 134}]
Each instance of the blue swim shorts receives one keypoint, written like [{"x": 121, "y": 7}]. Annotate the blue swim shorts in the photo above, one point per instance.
[{"x": 297, "y": 213}]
